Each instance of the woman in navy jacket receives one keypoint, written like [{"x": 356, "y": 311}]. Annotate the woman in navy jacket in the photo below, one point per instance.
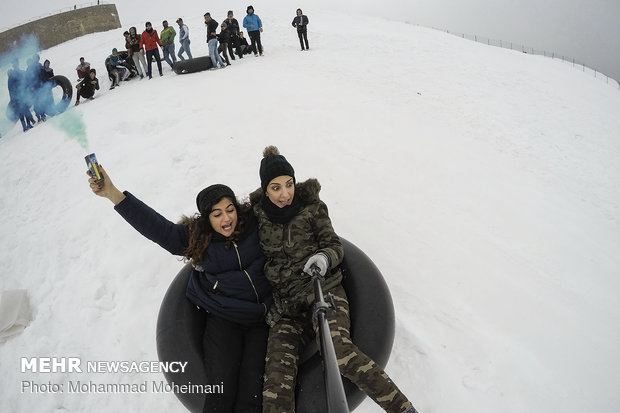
[{"x": 228, "y": 282}]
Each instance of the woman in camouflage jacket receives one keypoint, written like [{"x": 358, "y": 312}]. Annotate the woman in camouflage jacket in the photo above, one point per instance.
[{"x": 296, "y": 233}]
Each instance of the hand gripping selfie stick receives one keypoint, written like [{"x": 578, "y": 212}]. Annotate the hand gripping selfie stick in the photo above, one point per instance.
[{"x": 336, "y": 397}]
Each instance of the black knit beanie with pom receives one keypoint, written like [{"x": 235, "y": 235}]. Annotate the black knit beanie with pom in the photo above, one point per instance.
[{"x": 273, "y": 165}]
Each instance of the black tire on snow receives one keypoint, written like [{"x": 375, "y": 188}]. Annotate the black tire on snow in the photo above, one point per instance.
[
  {"x": 197, "y": 64},
  {"x": 180, "y": 326}
]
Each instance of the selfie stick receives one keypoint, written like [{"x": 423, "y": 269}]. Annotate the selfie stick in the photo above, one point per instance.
[{"x": 336, "y": 397}]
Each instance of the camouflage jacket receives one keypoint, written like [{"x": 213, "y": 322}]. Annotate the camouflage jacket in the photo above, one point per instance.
[{"x": 288, "y": 247}]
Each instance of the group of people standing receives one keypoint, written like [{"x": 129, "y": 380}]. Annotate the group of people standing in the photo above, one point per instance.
[
  {"x": 230, "y": 41},
  {"x": 31, "y": 89},
  {"x": 251, "y": 264},
  {"x": 143, "y": 48}
]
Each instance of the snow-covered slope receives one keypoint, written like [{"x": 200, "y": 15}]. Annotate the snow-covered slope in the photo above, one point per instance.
[{"x": 481, "y": 181}]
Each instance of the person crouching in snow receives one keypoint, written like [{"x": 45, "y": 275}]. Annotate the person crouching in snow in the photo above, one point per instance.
[
  {"x": 117, "y": 70},
  {"x": 86, "y": 88}
]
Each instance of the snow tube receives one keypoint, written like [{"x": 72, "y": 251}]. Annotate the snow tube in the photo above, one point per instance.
[
  {"x": 67, "y": 94},
  {"x": 180, "y": 326},
  {"x": 197, "y": 64}
]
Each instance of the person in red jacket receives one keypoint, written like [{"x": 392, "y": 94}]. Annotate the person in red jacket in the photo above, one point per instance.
[{"x": 149, "y": 42}]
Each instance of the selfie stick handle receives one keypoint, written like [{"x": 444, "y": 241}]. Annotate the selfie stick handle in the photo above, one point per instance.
[{"x": 336, "y": 397}]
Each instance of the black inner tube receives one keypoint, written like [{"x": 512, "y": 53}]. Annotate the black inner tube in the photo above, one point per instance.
[
  {"x": 180, "y": 327},
  {"x": 197, "y": 64},
  {"x": 67, "y": 94}
]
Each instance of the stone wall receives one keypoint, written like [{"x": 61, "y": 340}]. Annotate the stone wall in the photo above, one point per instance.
[{"x": 65, "y": 26}]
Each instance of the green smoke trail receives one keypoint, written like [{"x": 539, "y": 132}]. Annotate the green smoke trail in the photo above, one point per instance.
[{"x": 72, "y": 124}]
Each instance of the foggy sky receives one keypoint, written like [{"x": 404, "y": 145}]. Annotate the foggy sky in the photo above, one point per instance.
[{"x": 586, "y": 30}]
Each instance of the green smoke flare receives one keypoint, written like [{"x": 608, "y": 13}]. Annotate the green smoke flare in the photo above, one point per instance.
[{"x": 72, "y": 124}]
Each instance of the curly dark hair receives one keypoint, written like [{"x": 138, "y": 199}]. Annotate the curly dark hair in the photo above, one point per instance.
[{"x": 201, "y": 232}]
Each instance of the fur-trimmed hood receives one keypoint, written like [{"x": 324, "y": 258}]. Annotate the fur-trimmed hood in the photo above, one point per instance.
[{"x": 307, "y": 190}]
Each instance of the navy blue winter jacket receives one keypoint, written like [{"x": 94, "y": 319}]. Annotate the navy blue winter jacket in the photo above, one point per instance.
[
  {"x": 212, "y": 26},
  {"x": 232, "y": 284}
]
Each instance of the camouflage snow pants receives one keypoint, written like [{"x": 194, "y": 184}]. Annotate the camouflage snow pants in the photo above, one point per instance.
[{"x": 288, "y": 336}]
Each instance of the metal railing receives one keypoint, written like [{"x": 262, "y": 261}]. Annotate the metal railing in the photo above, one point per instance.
[{"x": 530, "y": 50}]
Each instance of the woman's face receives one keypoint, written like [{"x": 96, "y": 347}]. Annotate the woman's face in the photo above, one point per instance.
[
  {"x": 298, "y": 12},
  {"x": 223, "y": 217},
  {"x": 281, "y": 190}
]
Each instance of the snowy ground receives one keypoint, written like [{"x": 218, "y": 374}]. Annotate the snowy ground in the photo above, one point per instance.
[{"x": 481, "y": 181}]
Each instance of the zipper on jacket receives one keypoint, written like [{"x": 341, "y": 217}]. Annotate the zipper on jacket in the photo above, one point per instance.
[{"x": 246, "y": 273}]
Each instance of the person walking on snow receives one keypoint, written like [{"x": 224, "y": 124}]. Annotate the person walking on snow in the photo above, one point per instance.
[
  {"x": 16, "y": 94},
  {"x": 44, "y": 104},
  {"x": 150, "y": 41},
  {"x": 254, "y": 26},
  {"x": 133, "y": 47},
  {"x": 212, "y": 41},
  {"x": 224, "y": 38},
  {"x": 167, "y": 39},
  {"x": 301, "y": 23},
  {"x": 183, "y": 39}
]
